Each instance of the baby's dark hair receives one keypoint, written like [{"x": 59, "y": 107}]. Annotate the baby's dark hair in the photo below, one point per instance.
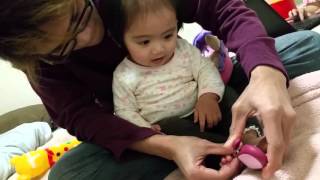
[{"x": 122, "y": 13}]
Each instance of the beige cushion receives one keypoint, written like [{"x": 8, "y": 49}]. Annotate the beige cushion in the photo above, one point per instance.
[{"x": 23, "y": 115}]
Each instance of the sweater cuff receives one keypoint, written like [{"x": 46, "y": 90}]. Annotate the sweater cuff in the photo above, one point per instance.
[
  {"x": 218, "y": 92},
  {"x": 261, "y": 52},
  {"x": 118, "y": 146}
]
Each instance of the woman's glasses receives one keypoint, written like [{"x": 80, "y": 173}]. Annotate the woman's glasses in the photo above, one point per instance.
[{"x": 61, "y": 55}]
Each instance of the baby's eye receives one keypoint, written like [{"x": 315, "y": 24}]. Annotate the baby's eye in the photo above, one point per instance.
[
  {"x": 143, "y": 43},
  {"x": 168, "y": 36}
]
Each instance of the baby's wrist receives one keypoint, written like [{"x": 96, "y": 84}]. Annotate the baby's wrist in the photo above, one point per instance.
[{"x": 211, "y": 94}]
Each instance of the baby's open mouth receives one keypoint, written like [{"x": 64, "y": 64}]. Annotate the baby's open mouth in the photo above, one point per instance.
[{"x": 158, "y": 59}]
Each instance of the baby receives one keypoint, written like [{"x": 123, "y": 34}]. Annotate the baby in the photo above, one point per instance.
[{"x": 163, "y": 76}]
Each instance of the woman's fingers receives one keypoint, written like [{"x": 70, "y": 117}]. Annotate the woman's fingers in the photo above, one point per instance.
[
  {"x": 274, "y": 135},
  {"x": 227, "y": 170},
  {"x": 239, "y": 118},
  {"x": 230, "y": 169},
  {"x": 287, "y": 124},
  {"x": 192, "y": 151},
  {"x": 278, "y": 123}
]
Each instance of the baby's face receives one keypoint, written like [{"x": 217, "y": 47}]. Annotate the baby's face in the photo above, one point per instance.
[{"x": 151, "y": 39}]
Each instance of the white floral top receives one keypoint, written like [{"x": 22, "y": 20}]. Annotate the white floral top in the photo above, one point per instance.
[{"x": 145, "y": 95}]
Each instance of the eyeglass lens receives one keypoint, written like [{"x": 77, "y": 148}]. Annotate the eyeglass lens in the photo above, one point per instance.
[
  {"x": 59, "y": 57},
  {"x": 80, "y": 26}
]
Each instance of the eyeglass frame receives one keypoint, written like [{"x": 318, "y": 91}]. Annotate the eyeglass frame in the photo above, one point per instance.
[{"x": 73, "y": 41}]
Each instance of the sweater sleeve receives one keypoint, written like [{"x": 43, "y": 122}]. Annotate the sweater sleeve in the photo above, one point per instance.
[
  {"x": 125, "y": 104},
  {"x": 73, "y": 106},
  {"x": 238, "y": 27}
]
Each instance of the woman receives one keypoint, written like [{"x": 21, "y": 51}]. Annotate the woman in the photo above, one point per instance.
[{"x": 65, "y": 49}]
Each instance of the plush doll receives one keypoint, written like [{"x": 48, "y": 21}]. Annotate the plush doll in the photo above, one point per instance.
[
  {"x": 211, "y": 46},
  {"x": 35, "y": 163}
]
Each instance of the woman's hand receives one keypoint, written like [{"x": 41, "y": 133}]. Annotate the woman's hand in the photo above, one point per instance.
[
  {"x": 207, "y": 111},
  {"x": 304, "y": 12},
  {"x": 266, "y": 97},
  {"x": 189, "y": 153}
]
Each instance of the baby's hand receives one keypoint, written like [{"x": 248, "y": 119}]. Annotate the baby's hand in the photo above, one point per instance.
[
  {"x": 156, "y": 128},
  {"x": 207, "y": 111}
]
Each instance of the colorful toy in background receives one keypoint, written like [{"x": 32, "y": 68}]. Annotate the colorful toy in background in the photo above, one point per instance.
[
  {"x": 282, "y": 6},
  {"x": 35, "y": 163}
]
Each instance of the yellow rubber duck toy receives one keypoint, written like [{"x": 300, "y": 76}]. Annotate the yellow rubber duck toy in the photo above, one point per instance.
[{"x": 35, "y": 163}]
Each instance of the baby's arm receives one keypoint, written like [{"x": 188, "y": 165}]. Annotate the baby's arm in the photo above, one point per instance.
[
  {"x": 132, "y": 117},
  {"x": 210, "y": 90},
  {"x": 125, "y": 105},
  {"x": 206, "y": 74}
]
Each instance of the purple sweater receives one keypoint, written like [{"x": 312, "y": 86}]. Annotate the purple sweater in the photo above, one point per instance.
[{"x": 78, "y": 95}]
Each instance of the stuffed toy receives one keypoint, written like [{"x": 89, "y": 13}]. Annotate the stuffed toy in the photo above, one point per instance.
[
  {"x": 212, "y": 47},
  {"x": 35, "y": 163}
]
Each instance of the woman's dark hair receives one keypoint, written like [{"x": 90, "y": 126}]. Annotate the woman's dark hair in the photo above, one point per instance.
[
  {"x": 121, "y": 13},
  {"x": 20, "y": 34}
]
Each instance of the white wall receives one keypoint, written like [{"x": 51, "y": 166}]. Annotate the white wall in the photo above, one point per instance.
[
  {"x": 189, "y": 31},
  {"x": 15, "y": 90}
]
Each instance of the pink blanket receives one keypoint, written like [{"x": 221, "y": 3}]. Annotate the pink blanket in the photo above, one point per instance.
[{"x": 303, "y": 159}]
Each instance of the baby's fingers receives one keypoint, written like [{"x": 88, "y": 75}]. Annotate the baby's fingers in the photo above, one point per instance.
[
  {"x": 196, "y": 116},
  {"x": 202, "y": 121}
]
